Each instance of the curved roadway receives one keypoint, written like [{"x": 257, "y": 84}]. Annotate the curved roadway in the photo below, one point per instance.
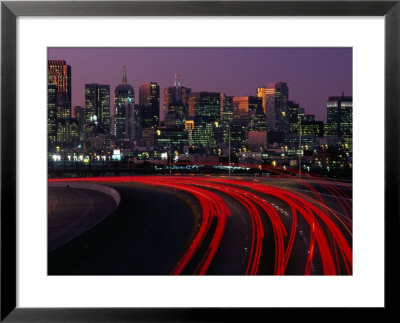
[{"x": 183, "y": 225}]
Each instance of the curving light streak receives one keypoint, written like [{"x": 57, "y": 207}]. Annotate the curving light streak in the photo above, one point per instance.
[{"x": 325, "y": 226}]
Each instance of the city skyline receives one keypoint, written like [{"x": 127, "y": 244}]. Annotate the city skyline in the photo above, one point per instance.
[
  {"x": 312, "y": 74},
  {"x": 241, "y": 177}
]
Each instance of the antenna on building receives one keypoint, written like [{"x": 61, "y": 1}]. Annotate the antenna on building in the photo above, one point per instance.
[
  {"x": 177, "y": 80},
  {"x": 124, "y": 75}
]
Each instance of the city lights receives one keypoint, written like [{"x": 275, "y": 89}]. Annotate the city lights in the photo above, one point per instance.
[{"x": 200, "y": 161}]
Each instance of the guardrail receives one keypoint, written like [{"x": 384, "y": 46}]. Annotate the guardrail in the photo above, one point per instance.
[{"x": 90, "y": 186}]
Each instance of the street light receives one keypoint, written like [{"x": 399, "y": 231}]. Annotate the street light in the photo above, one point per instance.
[
  {"x": 229, "y": 151},
  {"x": 170, "y": 157},
  {"x": 299, "y": 152}
]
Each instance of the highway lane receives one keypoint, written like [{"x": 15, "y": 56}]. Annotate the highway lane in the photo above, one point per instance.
[
  {"x": 337, "y": 193},
  {"x": 72, "y": 211},
  {"x": 143, "y": 236},
  {"x": 239, "y": 226},
  {"x": 232, "y": 255}
]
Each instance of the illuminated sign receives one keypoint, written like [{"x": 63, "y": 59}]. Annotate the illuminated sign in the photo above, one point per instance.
[{"x": 116, "y": 154}]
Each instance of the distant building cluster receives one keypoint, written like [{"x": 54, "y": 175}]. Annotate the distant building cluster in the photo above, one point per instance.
[{"x": 211, "y": 125}]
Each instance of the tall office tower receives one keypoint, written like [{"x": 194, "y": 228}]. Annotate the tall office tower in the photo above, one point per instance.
[
  {"x": 137, "y": 131},
  {"x": 74, "y": 131},
  {"x": 180, "y": 103},
  {"x": 262, "y": 93},
  {"x": 293, "y": 110},
  {"x": 309, "y": 126},
  {"x": 277, "y": 95},
  {"x": 257, "y": 120},
  {"x": 204, "y": 131},
  {"x": 192, "y": 104},
  {"x": 97, "y": 105},
  {"x": 80, "y": 117},
  {"x": 51, "y": 115},
  {"x": 340, "y": 119},
  {"x": 173, "y": 120},
  {"x": 62, "y": 132},
  {"x": 226, "y": 108},
  {"x": 80, "y": 113},
  {"x": 177, "y": 86},
  {"x": 124, "y": 101},
  {"x": 226, "y": 116},
  {"x": 91, "y": 97},
  {"x": 205, "y": 108},
  {"x": 63, "y": 117},
  {"x": 175, "y": 98},
  {"x": 149, "y": 105},
  {"x": 240, "y": 108},
  {"x": 185, "y": 94},
  {"x": 221, "y": 106},
  {"x": 248, "y": 109},
  {"x": 238, "y": 134},
  {"x": 248, "y": 116},
  {"x": 205, "y": 104},
  {"x": 59, "y": 74},
  {"x": 103, "y": 111},
  {"x": 174, "y": 140},
  {"x": 168, "y": 99},
  {"x": 189, "y": 128}
]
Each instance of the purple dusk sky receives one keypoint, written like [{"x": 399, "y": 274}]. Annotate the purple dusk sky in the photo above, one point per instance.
[{"x": 312, "y": 74}]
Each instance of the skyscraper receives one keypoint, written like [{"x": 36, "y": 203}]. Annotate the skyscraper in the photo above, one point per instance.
[
  {"x": 80, "y": 117},
  {"x": 124, "y": 101},
  {"x": 59, "y": 74},
  {"x": 97, "y": 115},
  {"x": 205, "y": 108},
  {"x": 97, "y": 105},
  {"x": 340, "y": 119},
  {"x": 204, "y": 131},
  {"x": 51, "y": 114},
  {"x": 248, "y": 110},
  {"x": 103, "y": 111},
  {"x": 91, "y": 105},
  {"x": 175, "y": 98},
  {"x": 276, "y": 102},
  {"x": 262, "y": 93},
  {"x": 248, "y": 116},
  {"x": 257, "y": 121},
  {"x": 226, "y": 115},
  {"x": 312, "y": 127},
  {"x": 240, "y": 108},
  {"x": 149, "y": 105},
  {"x": 168, "y": 99},
  {"x": 226, "y": 108},
  {"x": 59, "y": 102},
  {"x": 205, "y": 104},
  {"x": 177, "y": 86},
  {"x": 293, "y": 110}
]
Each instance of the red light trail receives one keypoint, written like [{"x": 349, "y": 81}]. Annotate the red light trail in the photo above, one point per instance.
[{"x": 328, "y": 233}]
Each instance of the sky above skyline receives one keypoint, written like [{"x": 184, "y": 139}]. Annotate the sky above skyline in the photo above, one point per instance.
[{"x": 312, "y": 74}]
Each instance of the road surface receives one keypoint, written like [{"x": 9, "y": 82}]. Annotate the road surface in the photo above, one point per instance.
[{"x": 197, "y": 225}]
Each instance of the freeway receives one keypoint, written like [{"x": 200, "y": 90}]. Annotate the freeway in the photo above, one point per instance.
[
  {"x": 72, "y": 211},
  {"x": 215, "y": 225}
]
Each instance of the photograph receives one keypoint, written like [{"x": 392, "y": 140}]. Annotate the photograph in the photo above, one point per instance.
[
  {"x": 213, "y": 161},
  {"x": 198, "y": 161}
]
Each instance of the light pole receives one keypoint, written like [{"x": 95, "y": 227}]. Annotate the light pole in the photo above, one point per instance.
[
  {"x": 299, "y": 152},
  {"x": 229, "y": 150},
  {"x": 170, "y": 157}
]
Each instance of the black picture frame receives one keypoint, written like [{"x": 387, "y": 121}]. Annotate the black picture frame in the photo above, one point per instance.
[{"x": 10, "y": 10}]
